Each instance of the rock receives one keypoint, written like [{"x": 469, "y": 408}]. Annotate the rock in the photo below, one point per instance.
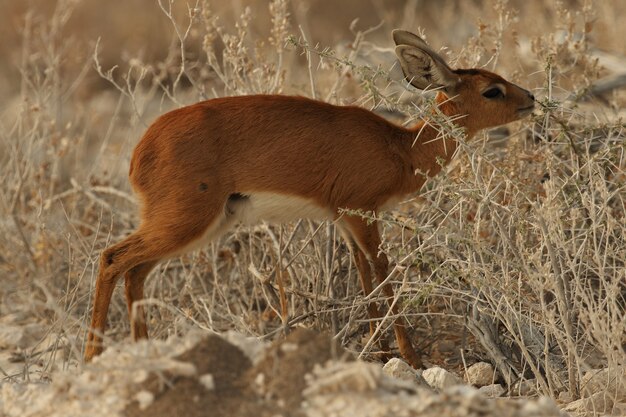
[
  {"x": 219, "y": 380},
  {"x": 619, "y": 409},
  {"x": 492, "y": 391},
  {"x": 359, "y": 377},
  {"x": 208, "y": 381},
  {"x": 600, "y": 402},
  {"x": 609, "y": 380},
  {"x": 525, "y": 388},
  {"x": 603, "y": 391},
  {"x": 440, "y": 379},
  {"x": 565, "y": 397},
  {"x": 399, "y": 369},
  {"x": 144, "y": 398},
  {"x": 480, "y": 374},
  {"x": 576, "y": 407}
]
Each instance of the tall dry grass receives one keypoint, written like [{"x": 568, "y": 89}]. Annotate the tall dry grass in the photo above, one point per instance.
[{"x": 521, "y": 242}]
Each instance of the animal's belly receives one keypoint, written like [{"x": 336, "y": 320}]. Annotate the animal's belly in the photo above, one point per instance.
[{"x": 276, "y": 208}]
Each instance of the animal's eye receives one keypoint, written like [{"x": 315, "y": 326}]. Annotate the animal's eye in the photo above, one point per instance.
[{"x": 493, "y": 92}]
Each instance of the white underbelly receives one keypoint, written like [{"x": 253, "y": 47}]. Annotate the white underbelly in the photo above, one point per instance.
[
  {"x": 251, "y": 209},
  {"x": 277, "y": 208}
]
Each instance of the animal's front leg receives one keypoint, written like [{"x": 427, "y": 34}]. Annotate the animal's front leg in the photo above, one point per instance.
[{"x": 367, "y": 238}]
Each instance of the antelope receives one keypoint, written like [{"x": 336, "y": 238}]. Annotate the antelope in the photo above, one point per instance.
[{"x": 201, "y": 169}]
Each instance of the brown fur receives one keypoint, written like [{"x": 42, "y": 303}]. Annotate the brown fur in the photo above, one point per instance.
[{"x": 192, "y": 159}]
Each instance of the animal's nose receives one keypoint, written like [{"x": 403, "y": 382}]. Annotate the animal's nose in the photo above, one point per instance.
[{"x": 530, "y": 95}]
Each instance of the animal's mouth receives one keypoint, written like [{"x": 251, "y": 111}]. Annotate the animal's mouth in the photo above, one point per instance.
[{"x": 526, "y": 110}]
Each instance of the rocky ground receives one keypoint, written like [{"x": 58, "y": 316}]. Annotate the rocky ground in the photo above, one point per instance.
[{"x": 305, "y": 374}]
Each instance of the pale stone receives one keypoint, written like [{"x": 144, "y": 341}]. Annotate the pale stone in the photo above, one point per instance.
[
  {"x": 575, "y": 407},
  {"x": 565, "y": 397},
  {"x": 440, "y": 379},
  {"x": 525, "y": 388},
  {"x": 492, "y": 391},
  {"x": 619, "y": 409},
  {"x": 600, "y": 402},
  {"x": 609, "y": 380},
  {"x": 144, "y": 398},
  {"x": 399, "y": 369},
  {"x": 208, "y": 381},
  {"x": 480, "y": 374}
]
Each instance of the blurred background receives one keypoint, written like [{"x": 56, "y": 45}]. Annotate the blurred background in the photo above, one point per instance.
[{"x": 139, "y": 29}]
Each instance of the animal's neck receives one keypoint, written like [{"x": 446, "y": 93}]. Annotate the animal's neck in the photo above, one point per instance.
[{"x": 432, "y": 145}]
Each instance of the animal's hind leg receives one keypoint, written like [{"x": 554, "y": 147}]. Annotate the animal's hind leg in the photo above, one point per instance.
[
  {"x": 114, "y": 261},
  {"x": 158, "y": 237},
  {"x": 134, "y": 282}
]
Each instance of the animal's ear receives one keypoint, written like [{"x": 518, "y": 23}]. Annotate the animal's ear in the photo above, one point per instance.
[
  {"x": 423, "y": 67},
  {"x": 403, "y": 37}
]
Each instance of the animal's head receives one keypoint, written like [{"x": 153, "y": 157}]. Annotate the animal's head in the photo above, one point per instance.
[{"x": 485, "y": 98}]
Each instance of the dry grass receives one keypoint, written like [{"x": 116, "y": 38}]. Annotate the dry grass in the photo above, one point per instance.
[{"x": 522, "y": 242}]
